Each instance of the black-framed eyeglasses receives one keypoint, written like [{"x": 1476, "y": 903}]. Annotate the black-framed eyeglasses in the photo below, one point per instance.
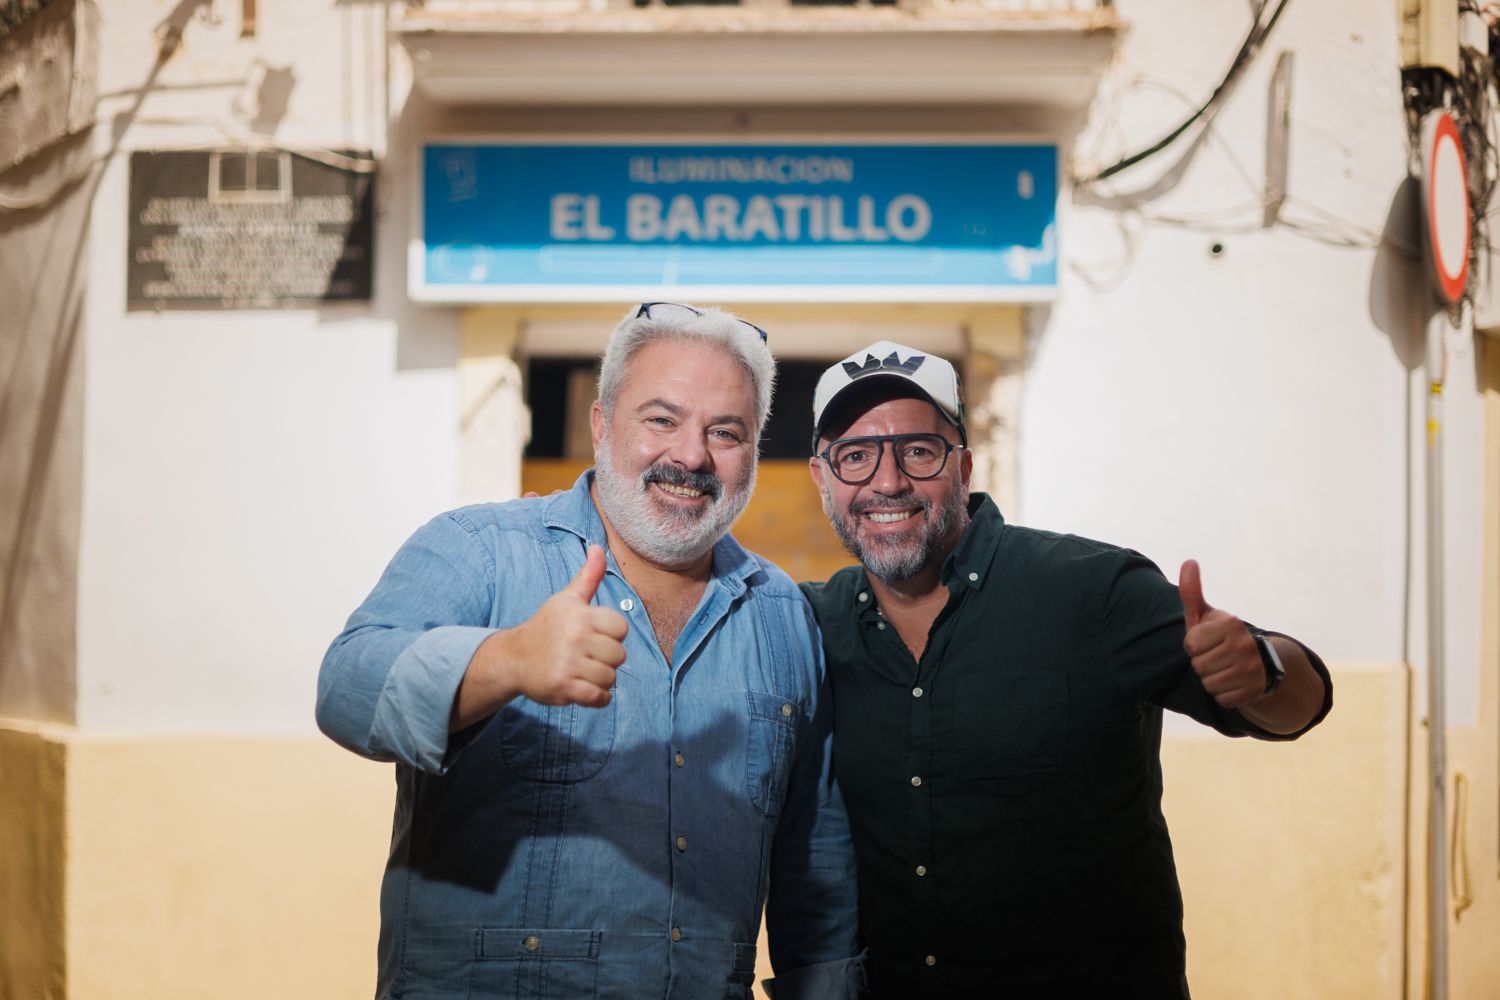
[
  {"x": 646, "y": 307},
  {"x": 855, "y": 460}
]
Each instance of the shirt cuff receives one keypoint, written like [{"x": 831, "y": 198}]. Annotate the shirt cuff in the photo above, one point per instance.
[
  {"x": 1319, "y": 667},
  {"x": 840, "y": 980},
  {"x": 416, "y": 703}
]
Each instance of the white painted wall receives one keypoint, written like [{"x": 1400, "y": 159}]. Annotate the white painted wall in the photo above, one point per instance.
[
  {"x": 1248, "y": 410},
  {"x": 247, "y": 473}
]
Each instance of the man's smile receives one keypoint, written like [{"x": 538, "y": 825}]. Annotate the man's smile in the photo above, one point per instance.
[
  {"x": 887, "y": 515},
  {"x": 890, "y": 517},
  {"x": 686, "y": 492}
]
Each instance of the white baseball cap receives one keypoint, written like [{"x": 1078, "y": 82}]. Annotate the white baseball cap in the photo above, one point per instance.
[{"x": 930, "y": 376}]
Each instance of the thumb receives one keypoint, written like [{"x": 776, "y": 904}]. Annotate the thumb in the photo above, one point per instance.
[
  {"x": 586, "y": 582},
  {"x": 1190, "y": 586}
]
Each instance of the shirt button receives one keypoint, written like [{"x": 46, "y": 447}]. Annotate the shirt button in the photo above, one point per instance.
[
  {"x": 677, "y": 934},
  {"x": 864, "y": 595},
  {"x": 627, "y": 605},
  {"x": 930, "y": 960},
  {"x": 880, "y": 625},
  {"x": 786, "y": 710},
  {"x": 916, "y": 692},
  {"x": 677, "y": 758},
  {"x": 921, "y": 870},
  {"x": 531, "y": 943},
  {"x": 682, "y": 843},
  {"x": 916, "y": 781},
  {"x": 973, "y": 577}
]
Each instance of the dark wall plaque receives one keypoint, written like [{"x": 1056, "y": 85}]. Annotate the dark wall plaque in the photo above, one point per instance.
[{"x": 249, "y": 229}]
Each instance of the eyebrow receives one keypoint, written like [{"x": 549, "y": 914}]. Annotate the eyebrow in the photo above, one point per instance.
[{"x": 678, "y": 411}]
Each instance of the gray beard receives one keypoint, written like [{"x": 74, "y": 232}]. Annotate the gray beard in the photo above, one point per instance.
[
  {"x": 891, "y": 560},
  {"x": 667, "y": 536}
]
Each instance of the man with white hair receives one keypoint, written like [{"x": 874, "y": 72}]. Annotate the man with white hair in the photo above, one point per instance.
[{"x": 609, "y": 721}]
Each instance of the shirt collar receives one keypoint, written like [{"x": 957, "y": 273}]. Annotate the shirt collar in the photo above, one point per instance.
[
  {"x": 573, "y": 511},
  {"x": 969, "y": 562},
  {"x": 733, "y": 565}
]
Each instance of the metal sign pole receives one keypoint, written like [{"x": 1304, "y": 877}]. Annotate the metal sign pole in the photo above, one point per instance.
[
  {"x": 1445, "y": 204},
  {"x": 1437, "y": 808}
]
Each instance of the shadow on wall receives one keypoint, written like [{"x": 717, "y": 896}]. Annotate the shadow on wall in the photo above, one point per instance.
[
  {"x": 1400, "y": 301},
  {"x": 40, "y": 417},
  {"x": 41, "y": 407}
]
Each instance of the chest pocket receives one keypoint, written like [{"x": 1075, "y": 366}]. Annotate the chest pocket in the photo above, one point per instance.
[
  {"x": 774, "y": 724},
  {"x": 534, "y": 964},
  {"x": 1012, "y": 732},
  {"x": 557, "y": 743}
]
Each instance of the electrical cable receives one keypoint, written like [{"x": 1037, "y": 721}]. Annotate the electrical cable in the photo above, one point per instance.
[{"x": 1251, "y": 45}]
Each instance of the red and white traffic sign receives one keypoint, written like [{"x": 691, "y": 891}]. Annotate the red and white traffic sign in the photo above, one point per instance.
[{"x": 1445, "y": 204}]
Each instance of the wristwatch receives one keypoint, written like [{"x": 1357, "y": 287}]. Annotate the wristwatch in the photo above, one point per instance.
[{"x": 1275, "y": 672}]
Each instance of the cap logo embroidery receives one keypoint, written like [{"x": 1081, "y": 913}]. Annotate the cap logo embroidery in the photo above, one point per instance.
[{"x": 891, "y": 363}]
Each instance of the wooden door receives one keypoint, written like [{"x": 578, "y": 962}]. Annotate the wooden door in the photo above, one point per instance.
[{"x": 784, "y": 522}]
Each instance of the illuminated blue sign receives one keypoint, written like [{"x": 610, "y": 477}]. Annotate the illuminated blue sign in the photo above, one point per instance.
[{"x": 932, "y": 221}]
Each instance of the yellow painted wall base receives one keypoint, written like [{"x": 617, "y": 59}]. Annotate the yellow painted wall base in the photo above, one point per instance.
[
  {"x": 1292, "y": 857},
  {"x": 249, "y": 868},
  {"x": 33, "y": 776},
  {"x": 195, "y": 867}
]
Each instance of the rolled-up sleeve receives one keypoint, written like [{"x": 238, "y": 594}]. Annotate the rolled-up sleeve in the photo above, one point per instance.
[
  {"x": 812, "y": 911},
  {"x": 387, "y": 683}
]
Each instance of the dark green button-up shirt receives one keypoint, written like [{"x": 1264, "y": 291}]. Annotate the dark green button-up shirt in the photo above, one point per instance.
[{"x": 1005, "y": 792}]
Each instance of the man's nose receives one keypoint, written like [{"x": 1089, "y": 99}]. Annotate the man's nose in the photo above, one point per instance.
[
  {"x": 690, "y": 450},
  {"x": 888, "y": 478}
]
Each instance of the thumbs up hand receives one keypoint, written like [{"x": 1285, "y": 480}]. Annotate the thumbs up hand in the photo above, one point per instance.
[
  {"x": 566, "y": 653},
  {"x": 1224, "y": 654}
]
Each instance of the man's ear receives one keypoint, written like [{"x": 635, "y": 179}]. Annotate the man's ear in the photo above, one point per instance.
[
  {"x": 818, "y": 469},
  {"x": 966, "y": 467},
  {"x": 596, "y": 422}
]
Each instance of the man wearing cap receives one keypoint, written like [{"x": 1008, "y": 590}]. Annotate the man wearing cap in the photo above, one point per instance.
[
  {"x": 998, "y": 701},
  {"x": 608, "y": 719}
]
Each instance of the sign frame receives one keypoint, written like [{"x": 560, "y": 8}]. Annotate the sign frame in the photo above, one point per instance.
[
  {"x": 1445, "y": 192},
  {"x": 259, "y": 220},
  {"x": 419, "y": 290}
]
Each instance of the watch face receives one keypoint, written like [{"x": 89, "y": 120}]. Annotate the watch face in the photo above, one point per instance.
[{"x": 1270, "y": 662}]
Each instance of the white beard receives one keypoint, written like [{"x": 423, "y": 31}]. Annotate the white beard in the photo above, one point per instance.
[{"x": 666, "y": 535}]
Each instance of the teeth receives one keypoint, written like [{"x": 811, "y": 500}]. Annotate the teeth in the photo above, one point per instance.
[
  {"x": 680, "y": 491},
  {"x": 890, "y": 518}
]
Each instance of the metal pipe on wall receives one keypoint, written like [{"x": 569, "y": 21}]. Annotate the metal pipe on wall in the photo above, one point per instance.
[{"x": 1438, "y": 328}]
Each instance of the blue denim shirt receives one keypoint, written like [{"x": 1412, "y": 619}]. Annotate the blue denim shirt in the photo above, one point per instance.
[{"x": 622, "y": 852}]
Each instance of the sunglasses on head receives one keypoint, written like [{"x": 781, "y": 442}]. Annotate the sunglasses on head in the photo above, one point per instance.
[{"x": 646, "y": 307}]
